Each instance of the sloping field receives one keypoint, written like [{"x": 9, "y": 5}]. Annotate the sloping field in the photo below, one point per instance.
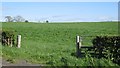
[{"x": 53, "y": 43}]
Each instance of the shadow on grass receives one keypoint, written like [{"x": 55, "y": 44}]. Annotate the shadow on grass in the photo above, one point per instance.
[{"x": 97, "y": 56}]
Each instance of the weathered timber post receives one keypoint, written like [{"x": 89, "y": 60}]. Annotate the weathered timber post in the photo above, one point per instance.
[
  {"x": 8, "y": 41},
  {"x": 19, "y": 41},
  {"x": 78, "y": 46},
  {"x": 11, "y": 42}
]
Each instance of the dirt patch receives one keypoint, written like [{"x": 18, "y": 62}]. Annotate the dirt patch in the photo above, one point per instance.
[{"x": 18, "y": 63}]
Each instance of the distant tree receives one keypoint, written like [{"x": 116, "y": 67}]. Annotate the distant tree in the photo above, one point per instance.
[
  {"x": 26, "y": 21},
  {"x": 9, "y": 19},
  {"x": 19, "y": 19},
  {"x": 47, "y": 21},
  {"x": 39, "y": 21}
]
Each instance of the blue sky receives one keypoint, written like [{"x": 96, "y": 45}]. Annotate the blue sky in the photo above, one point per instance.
[
  {"x": 60, "y": 0},
  {"x": 62, "y": 11}
]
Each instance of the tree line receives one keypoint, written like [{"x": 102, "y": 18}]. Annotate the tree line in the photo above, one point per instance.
[{"x": 15, "y": 19}]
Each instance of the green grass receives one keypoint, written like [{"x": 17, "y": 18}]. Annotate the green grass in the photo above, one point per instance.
[{"x": 52, "y": 44}]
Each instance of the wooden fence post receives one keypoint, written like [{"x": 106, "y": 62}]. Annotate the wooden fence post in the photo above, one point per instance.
[
  {"x": 78, "y": 46},
  {"x": 19, "y": 41},
  {"x": 11, "y": 42},
  {"x": 8, "y": 41}
]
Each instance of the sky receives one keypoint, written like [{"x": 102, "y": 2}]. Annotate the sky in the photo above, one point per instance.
[
  {"x": 59, "y": 0},
  {"x": 61, "y": 11}
]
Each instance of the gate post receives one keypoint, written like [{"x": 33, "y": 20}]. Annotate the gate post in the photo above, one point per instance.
[
  {"x": 78, "y": 46},
  {"x": 19, "y": 41}
]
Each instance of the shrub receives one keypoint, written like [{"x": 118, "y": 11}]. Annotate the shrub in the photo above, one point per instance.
[
  {"x": 109, "y": 44},
  {"x": 26, "y": 21},
  {"x": 106, "y": 41},
  {"x": 8, "y": 37}
]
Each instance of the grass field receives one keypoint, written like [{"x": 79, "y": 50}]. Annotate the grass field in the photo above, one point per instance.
[{"x": 53, "y": 43}]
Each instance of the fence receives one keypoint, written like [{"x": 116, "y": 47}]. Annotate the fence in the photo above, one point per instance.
[
  {"x": 10, "y": 41},
  {"x": 93, "y": 50}
]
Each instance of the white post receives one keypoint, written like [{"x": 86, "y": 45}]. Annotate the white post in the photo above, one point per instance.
[
  {"x": 78, "y": 39},
  {"x": 18, "y": 41},
  {"x": 78, "y": 46},
  {"x": 80, "y": 43}
]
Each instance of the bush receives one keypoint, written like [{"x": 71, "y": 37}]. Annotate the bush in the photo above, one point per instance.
[
  {"x": 8, "y": 37},
  {"x": 106, "y": 41},
  {"x": 109, "y": 44},
  {"x": 26, "y": 21}
]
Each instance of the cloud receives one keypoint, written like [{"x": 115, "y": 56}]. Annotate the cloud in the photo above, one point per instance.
[
  {"x": 106, "y": 18},
  {"x": 56, "y": 16}
]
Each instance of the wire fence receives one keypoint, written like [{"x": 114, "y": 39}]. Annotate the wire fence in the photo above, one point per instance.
[{"x": 87, "y": 40}]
